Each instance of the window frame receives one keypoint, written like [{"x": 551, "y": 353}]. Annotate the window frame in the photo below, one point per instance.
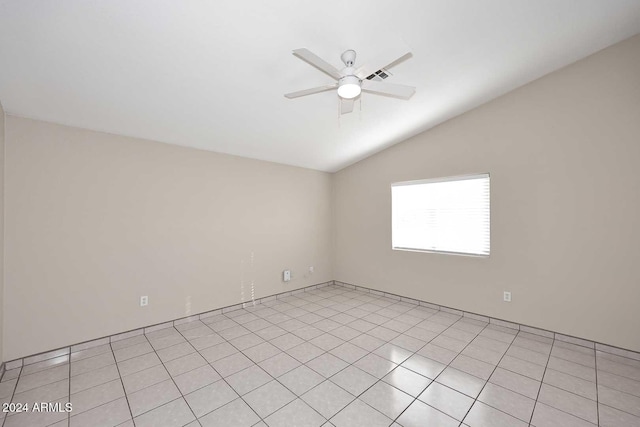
[{"x": 436, "y": 180}]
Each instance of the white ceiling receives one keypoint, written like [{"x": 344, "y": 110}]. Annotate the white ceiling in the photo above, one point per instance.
[{"x": 212, "y": 74}]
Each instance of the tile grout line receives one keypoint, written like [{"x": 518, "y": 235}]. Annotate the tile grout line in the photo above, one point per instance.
[
  {"x": 571, "y": 350},
  {"x": 618, "y": 409},
  {"x": 13, "y": 393},
  {"x": 69, "y": 414},
  {"x": 535, "y": 403},
  {"x": 595, "y": 358},
  {"x": 121, "y": 381}
]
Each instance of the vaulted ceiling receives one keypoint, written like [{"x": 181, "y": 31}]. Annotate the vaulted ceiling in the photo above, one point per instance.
[{"x": 212, "y": 74}]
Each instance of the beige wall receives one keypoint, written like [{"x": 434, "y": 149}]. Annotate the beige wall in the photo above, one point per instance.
[
  {"x": 564, "y": 158},
  {"x": 94, "y": 221},
  {"x": 1, "y": 230}
]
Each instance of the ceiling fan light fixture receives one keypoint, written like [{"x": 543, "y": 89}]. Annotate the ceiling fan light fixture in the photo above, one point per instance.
[
  {"x": 351, "y": 81},
  {"x": 349, "y": 87}
]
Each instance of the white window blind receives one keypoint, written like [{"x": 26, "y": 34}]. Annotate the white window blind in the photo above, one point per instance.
[{"x": 442, "y": 215}]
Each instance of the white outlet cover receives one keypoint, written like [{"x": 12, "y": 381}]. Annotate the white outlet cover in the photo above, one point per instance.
[
  {"x": 144, "y": 301},
  {"x": 286, "y": 275},
  {"x": 507, "y": 296}
]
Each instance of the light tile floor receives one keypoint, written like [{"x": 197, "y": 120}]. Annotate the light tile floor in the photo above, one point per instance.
[{"x": 331, "y": 357}]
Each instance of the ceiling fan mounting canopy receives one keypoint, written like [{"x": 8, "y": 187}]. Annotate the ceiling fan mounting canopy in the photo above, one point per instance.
[
  {"x": 352, "y": 81},
  {"x": 348, "y": 57}
]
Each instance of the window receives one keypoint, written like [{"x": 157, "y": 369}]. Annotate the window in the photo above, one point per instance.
[{"x": 450, "y": 215}]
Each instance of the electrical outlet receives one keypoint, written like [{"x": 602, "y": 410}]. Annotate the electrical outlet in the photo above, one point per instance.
[
  {"x": 286, "y": 275},
  {"x": 144, "y": 301},
  {"x": 507, "y": 296},
  {"x": 311, "y": 269}
]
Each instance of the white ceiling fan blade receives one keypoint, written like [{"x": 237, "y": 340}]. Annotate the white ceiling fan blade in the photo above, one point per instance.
[
  {"x": 385, "y": 62},
  {"x": 310, "y": 91},
  {"x": 346, "y": 105},
  {"x": 390, "y": 89},
  {"x": 313, "y": 59}
]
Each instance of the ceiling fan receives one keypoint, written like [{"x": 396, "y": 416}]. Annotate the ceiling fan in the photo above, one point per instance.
[{"x": 352, "y": 81}]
